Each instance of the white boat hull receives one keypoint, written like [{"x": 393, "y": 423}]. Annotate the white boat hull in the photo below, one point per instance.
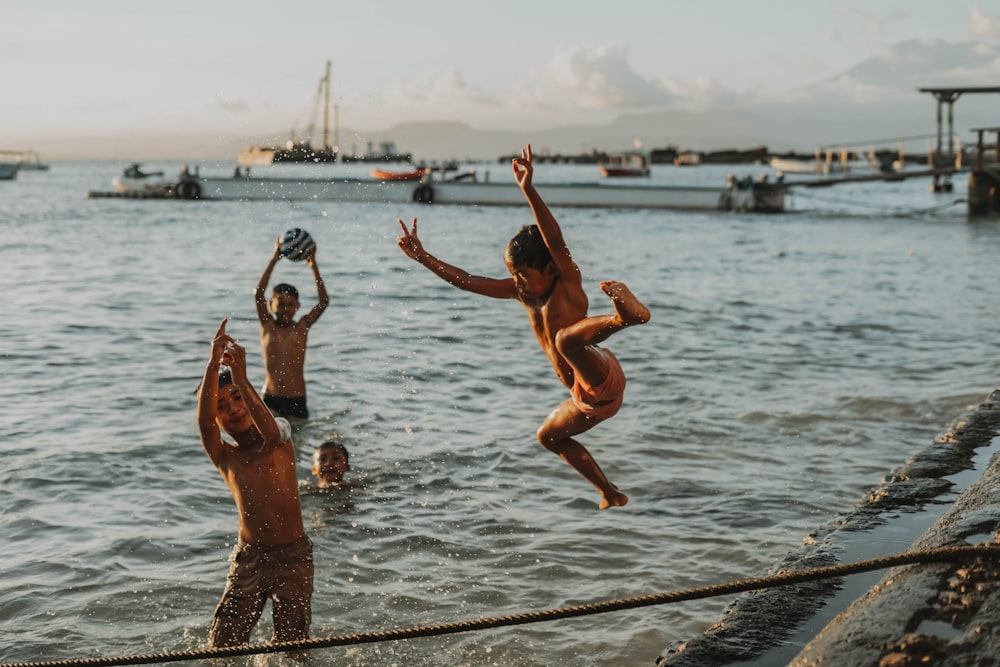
[
  {"x": 473, "y": 193},
  {"x": 256, "y": 157},
  {"x": 793, "y": 166},
  {"x": 124, "y": 183}
]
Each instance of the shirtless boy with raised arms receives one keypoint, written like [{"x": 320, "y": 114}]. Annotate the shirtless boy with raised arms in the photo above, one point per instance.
[
  {"x": 273, "y": 556},
  {"x": 283, "y": 339},
  {"x": 548, "y": 283}
]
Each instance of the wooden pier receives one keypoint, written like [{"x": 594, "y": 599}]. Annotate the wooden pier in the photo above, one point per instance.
[
  {"x": 984, "y": 178},
  {"x": 867, "y": 178},
  {"x": 946, "y": 97},
  {"x": 946, "y": 159}
]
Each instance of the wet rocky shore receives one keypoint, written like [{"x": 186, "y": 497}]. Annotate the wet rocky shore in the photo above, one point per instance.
[{"x": 941, "y": 614}]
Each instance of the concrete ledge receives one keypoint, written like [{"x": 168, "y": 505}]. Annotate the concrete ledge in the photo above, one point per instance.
[{"x": 948, "y": 612}]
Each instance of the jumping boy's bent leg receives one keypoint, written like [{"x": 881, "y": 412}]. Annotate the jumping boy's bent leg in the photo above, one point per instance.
[
  {"x": 627, "y": 306},
  {"x": 574, "y": 342},
  {"x": 556, "y": 434}
]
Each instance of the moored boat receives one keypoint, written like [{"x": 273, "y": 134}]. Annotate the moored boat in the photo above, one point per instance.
[
  {"x": 687, "y": 159},
  {"x": 22, "y": 160},
  {"x": 134, "y": 180},
  {"x": 294, "y": 152},
  {"x": 830, "y": 163},
  {"x": 386, "y": 153},
  {"x": 299, "y": 151},
  {"x": 466, "y": 190},
  {"x": 797, "y": 166},
  {"x": 624, "y": 165},
  {"x": 8, "y": 171},
  {"x": 414, "y": 175},
  {"x": 30, "y": 161}
]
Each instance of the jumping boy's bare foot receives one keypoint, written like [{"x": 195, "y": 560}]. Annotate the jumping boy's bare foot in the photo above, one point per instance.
[
  {"x": 614, "y": 498},
  {"x": 630, "y": 310}
]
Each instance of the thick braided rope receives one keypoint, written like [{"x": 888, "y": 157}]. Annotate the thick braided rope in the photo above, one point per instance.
[{"x": 940, "y": 555}]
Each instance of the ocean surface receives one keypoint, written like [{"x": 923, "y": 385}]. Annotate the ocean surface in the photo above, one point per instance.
[{"x": 791, "y": 361}]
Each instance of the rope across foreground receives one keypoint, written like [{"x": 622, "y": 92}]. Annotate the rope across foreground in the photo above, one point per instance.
[{"x": 941, "y": 555}]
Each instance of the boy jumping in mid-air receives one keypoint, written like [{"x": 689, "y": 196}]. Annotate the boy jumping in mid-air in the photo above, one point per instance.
[
  {"x": 546, "y": 280},
  {"x": 273, "y": 557},
  {"x": 283, "y": 340}
]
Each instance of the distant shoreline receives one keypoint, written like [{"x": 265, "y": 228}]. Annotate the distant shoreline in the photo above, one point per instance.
[{"x": 757, "y": 155}]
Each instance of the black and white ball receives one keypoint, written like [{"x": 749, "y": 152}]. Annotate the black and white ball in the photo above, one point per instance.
[{"x": 296, "y": 244}]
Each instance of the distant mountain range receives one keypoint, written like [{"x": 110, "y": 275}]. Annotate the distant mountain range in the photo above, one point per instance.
[{"x": 876, "y": 100}]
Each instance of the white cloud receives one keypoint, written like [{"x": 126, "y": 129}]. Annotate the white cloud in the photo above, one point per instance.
[
  {"x": 983, "y": 25},
  {"x": 984, "y": 74},
  {"x": 848, "y": 91},
  {"x": 232, "y": 106},
  {"x": 599, "y": 79},
  {"x": 875, "y": 27},
  {"x": 437, "y": 90},
  {"x": 592, "y": 83},
  {"x": 437, "y": 95}
]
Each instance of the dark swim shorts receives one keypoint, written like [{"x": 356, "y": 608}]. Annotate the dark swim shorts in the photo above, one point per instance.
[{"x": 287, "y": 406}]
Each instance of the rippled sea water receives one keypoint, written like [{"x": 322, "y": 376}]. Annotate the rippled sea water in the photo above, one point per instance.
[{"x": 791, "y": 361}]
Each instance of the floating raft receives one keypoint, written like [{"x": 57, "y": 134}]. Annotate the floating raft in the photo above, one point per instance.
[
  {"x": 735, "y": 196},
  {"x": 147, "y": 194}
]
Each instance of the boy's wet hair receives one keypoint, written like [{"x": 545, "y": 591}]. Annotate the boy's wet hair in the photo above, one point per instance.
[
  {"x": 225, "y": 377},
  {"x": 285, "y": 288},
  {"x": 333, "y": 444},
  {"x": 528, "y": 248}
]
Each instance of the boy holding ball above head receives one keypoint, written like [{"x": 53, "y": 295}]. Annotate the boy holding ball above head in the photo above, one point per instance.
[
  {"x": 283, "y": 340},
  {"x": 548, "y": 283},
  {"x": 273, "y": 557}
]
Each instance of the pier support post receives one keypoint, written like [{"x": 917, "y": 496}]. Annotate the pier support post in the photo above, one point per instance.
[
  {"x": 984, "y": 179},
  {"x": 942, "y": 182}
]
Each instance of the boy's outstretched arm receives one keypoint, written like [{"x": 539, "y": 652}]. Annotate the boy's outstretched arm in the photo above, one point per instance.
[
  {"x": 259, "y": 296},
  {"x": 547, "y": 225},
  {"x": 460, "y": 278},
  {"x": 236, "y": 358},
  {"x": 208, "y": 396},
  {"x": 310, "y": 318}
]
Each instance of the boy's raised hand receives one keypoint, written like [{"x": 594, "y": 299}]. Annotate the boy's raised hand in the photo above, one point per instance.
[
  {"x": 221, "y": 341},
  {"x": 228, "y": 352},
  {"x": 522, "y": 167},
  {"x": 236, "y": 358},
  {"x": 409, "y": 243}
]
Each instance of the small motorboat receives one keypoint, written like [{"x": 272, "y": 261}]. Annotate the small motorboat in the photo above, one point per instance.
[
  {"x": 625, "y": 165},
  {"x": 30, "y": 161},
  {"x": 134, "y": 179},
  {"x": 415, "y": 175},
  {"x": 687, "y": 159}
]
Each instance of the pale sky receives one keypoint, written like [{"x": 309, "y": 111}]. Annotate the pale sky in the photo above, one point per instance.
[{"x": 73, "y": 69}]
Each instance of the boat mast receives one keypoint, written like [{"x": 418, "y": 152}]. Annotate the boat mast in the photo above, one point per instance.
[
  {"x": 336, "y": 128},
  {"x": 326, "y": 109}
]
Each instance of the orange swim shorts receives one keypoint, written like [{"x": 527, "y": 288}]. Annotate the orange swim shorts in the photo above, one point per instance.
[{"x": 589, "y": 399}]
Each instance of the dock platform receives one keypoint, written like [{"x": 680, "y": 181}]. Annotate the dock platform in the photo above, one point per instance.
[{"x": 151, "y": 194}]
